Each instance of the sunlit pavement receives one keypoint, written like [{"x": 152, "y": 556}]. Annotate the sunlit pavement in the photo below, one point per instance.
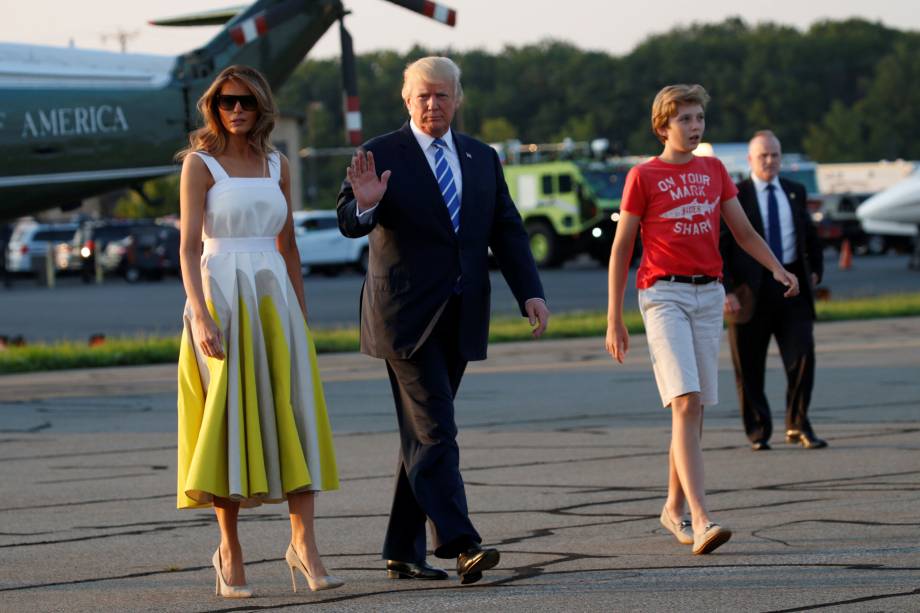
[{"x": 564, "y": 458}]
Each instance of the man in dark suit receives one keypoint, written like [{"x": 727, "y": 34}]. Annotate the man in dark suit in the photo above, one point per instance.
[
  {"x": 433, "y": 213},
  {"x": 754, "y": 303}
]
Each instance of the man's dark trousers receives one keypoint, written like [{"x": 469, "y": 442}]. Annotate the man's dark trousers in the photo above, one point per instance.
[
  {"x": 789, "y": 320},
  {"x": 428, "y": 482}
]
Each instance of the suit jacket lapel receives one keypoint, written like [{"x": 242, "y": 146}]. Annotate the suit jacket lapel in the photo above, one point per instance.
[
  {"x": 794, "y": 205},
  {"x": 752, "y": 205},
  {"x": 430, "y": 198}
]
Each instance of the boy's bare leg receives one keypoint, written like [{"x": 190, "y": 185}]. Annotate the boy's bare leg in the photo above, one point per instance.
[{"x": 686, "y": 423}]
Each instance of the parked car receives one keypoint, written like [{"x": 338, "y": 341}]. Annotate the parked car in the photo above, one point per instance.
[
  {"x": 323, "y": 248},
  {"x": 91, "y": 238},
  {"x": 29, "y": 243},
  {"x": 147, "y": 252}
]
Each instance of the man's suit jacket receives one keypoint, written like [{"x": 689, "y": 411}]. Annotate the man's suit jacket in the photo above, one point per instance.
[
  {"x": 739, "y": 268},
  {"x": 415, "y": 256}
]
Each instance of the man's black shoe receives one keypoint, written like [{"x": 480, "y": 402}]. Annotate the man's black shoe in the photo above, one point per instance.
[
  {"x": 473, "y": 561},
  {"x": 808, "y": 440},
  {"x": 410, "y": 570},
  {"x": 760, "y": 446}
]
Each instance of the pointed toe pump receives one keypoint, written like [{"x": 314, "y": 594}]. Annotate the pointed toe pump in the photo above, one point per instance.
[
  {"x": 220, "y": 586},
  {"x": 326, "y": 582}
]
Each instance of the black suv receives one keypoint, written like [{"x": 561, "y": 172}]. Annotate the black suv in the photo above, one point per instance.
[
  {"x": 92, "y": 238},
  {"x": 147, "y": 252}
]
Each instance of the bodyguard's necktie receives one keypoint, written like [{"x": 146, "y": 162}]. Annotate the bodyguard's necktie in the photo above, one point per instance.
[
  {"x": 446, "y": 182},
  {"x": 774, "y": 233}
]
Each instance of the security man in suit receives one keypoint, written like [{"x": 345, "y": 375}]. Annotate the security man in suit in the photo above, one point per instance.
[
  {"x": 432, "y": 214},
  {"x": 754, "y": 303}
]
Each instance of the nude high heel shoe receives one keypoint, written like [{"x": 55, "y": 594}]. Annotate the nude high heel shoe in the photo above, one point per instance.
[
  {"x": 326, "y": 582},
  {"x": 220, "y": 586}
]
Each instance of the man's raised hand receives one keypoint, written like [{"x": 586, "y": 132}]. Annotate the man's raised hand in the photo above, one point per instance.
[{"x": 366, "y": 186}]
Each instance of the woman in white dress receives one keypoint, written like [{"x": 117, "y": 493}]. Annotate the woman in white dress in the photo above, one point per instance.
[{"x": 253, "y": 426}]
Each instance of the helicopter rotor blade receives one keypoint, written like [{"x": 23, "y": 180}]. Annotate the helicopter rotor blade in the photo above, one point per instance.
[{"x": 434, "y": 10}]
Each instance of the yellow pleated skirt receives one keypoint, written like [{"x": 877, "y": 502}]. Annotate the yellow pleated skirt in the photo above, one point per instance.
[{"x": 253, "y": 427}]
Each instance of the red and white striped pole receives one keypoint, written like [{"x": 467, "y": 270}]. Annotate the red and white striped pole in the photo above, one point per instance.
[{"x": 352, "y": 105}]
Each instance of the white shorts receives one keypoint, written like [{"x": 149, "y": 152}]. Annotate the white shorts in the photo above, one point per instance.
[{"x": 683, "y": 324}]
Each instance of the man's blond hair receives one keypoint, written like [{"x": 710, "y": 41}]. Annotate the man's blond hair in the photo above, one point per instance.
[
  {"x": 432, "y": 69},
  {"x": 664, "y": 107}
]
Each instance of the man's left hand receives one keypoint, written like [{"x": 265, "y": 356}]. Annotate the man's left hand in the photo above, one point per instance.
[
  {"x": 538, "y": 314},
  {"x": 789, "y": 280},
  {"x": 732, "y": 304}
]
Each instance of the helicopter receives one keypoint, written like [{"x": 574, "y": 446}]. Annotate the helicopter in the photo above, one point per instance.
[{"x": 75, "y": 123}]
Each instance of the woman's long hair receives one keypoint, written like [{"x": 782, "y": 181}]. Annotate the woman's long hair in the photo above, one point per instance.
[{"x": 212, "y": 137}]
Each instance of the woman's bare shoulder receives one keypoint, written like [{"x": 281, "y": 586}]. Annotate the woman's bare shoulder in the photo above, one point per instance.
[{"x": 195, "y": 169}]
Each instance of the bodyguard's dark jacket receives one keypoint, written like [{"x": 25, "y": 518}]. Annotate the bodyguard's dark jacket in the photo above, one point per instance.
[{"x": 739, "y": 267}]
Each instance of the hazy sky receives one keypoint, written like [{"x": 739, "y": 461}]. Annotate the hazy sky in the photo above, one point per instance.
[{"x": 615, "y": 26}]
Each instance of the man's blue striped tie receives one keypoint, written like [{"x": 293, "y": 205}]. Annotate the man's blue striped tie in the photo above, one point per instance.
[{"x": 445, "y": 179}]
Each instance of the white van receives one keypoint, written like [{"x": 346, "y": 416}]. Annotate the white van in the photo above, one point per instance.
[{"x": 30, "y": 241}]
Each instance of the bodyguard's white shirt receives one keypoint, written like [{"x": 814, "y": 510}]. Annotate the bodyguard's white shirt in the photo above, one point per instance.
[
  {"x": 787, "y": 227},
  {"x": 426, "y": 142}
]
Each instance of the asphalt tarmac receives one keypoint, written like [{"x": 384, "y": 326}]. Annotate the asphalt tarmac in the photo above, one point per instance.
[
  {"x": 564, "y": 456},
  {"x": 76, "y": 311}
]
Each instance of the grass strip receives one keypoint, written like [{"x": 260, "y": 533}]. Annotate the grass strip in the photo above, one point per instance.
[{"x": 158, "y": 350}]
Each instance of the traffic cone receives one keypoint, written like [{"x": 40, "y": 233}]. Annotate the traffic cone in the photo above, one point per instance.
[{"x": 846, "y": 255}]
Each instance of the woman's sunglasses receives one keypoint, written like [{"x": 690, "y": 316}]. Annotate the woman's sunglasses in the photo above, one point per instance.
[{"x": 228, "y": 102}]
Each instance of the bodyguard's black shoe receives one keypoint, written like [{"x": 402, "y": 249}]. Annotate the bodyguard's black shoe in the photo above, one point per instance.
[
  {"x": 808, "y": 440},
  {"x": 760, "y": 446},
  {"x": 473, "y": 561},
  {"x": 411, "y": 570}
]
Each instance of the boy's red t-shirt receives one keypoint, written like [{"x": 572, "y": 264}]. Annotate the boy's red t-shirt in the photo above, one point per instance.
[{"x": 679, "y": 206}]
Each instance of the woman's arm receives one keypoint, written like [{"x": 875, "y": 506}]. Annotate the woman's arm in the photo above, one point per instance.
[
  {"x": 193, "y": 188},
  {"x": 749, "y": 240},
  {"x": 617, "y": 341},
  {"x": 287, "y": 245}
]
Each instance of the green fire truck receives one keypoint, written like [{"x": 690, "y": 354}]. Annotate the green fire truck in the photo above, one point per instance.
[{"x": 558, "y": 206}]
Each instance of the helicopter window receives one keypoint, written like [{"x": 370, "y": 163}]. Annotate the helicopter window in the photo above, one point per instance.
[
  {"x": 565, "y": 184},
  {"x": 547, "y": 184}
]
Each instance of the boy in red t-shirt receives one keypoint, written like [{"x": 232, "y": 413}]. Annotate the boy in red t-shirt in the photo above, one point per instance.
[{"x": 677, "y": 200}]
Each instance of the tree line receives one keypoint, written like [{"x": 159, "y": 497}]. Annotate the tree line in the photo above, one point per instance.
[{"x": 839, "y": 91}]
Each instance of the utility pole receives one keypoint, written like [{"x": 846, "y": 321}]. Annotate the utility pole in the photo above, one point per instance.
[{"x": 120, "y": 36}]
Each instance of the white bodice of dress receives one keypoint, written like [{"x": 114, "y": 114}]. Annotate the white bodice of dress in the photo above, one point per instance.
[{"x": 244, "y": 207}]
